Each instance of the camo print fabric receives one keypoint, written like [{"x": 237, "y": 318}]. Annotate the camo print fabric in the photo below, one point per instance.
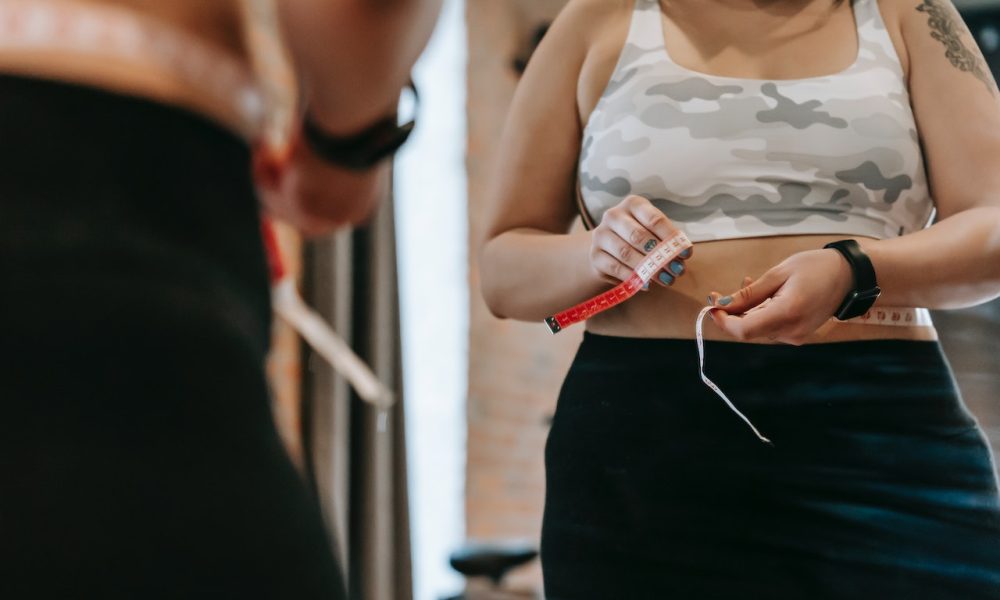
[{"x": 730, "y": 158}]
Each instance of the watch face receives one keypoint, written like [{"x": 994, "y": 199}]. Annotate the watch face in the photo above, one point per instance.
[
  {"x": 857, "y": 303},
  {"x": 871, "y": 294}
]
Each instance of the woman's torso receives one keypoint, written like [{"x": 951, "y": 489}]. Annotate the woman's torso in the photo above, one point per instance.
[
  {"x": 150, "y": 55},
  {"x": 218, "y": 20},
  {"x": 123, "y": 168},
  {"x": 780, "y": 41}
]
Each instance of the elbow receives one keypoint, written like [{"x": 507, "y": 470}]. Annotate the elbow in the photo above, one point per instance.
[
  {"x": 493, "y": 303},
  {"x": 489, "y": 284}
]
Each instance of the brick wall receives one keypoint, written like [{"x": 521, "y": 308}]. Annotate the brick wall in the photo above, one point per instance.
[{"x": 515, "y": 368}]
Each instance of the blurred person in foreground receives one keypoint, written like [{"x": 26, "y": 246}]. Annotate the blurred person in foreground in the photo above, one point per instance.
[{"x": 138, "y": 456}]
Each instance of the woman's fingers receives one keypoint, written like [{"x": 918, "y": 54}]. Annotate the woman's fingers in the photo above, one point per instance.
[
  {"x": 650, "y": 217},
  {"x": 713, "y": 297},
  {"x": 632, "y": 233},
  {"x": 756, "y": 310},
  {"x": 610, "y": 242},
  {"x": 752, "y": 294},
  {"x": 653, "y": 219},
  {"x": 627, "y": 233},
  {"x": 610, "y": 268},
  {"x": 771, "y": 318}
]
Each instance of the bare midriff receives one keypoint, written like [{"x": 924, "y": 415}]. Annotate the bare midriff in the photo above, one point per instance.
[
  {"x": 216, "y": 23},
  {"x": 720, "y": 266}
]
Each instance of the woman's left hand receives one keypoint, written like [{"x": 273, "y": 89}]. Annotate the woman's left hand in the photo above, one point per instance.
[{"x": 789, "y": 302}]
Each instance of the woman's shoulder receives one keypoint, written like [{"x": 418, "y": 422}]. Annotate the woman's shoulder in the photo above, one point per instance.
[
  {"x": 579, "y": 51},
  {"x": 909, "y": 21},
  {"x": 598, "y": 7},
  {"x": 588, "y": 19},
  {"x": 583, "y": 27}
]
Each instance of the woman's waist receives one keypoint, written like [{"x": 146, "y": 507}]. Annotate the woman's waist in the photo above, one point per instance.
[
  {"x": 721, "y": 267},
  {"x": 126, "y": 52},
  {"x": 94, "y": 296},
  {"x": 847, "y": 400},
  {"x": 94, "y": 179},
  {"x": 95, "y": 150},
  {"x": 676, "y": 319},
  {"x": 893, "y": 373}
]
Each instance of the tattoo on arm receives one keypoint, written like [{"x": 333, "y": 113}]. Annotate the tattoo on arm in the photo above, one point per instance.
[{"x": 947, "y": 27}]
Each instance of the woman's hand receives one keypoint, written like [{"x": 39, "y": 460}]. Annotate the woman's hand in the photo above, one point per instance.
[
  {"x": 313, "y": 196},
  {"x": 626, "y": 234},
  {"x": 789, "y": 302}
]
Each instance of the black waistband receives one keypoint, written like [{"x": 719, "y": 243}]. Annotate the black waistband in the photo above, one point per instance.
[
  {"x": 738, "y": 357},
  {"x": 114, "y": 189}
]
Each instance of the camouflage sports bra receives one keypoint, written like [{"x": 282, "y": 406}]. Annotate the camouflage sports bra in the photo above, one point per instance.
[{"x": 727, "y": 157}]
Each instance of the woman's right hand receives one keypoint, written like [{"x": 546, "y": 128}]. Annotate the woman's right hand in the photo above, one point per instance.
[
  {"x": 313, "y": 196},
  {"x": 626, "y": 234}
]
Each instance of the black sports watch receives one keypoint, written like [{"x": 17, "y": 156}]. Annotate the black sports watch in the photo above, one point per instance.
[
  {"x": 364, "y": 150},
  {"x": 866, "y": 290}
]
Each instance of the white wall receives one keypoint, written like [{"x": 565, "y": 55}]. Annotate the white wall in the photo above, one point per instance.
[{"x": 432, "y": 231}]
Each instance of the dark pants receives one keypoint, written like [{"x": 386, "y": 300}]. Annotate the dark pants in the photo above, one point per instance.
[
  {"x": 138, "y": 457},
  {"x": 879, "y": 483}
]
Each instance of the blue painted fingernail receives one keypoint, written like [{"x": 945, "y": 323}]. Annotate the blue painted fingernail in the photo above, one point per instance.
[
  {"x": 686, "y": 253},
  {"x": 665, "y": 278},
  {"x": 650, "y": 245},
  {"x": 725, "y": 300},
  {"x": 676, "y": 267},
  {"x": 645, "y": 286}
]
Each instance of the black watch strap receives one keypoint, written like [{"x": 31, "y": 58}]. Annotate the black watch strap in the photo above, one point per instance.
[
  {"x": 859, "y": 300},
  {"x": 363, "y": 150}
]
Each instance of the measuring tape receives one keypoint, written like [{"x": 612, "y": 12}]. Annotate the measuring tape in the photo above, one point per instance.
[
  {"x": 903, "y": 317},
  {"x": 288, "y": 304},
  {"x": 276, "y": 78},
  {"x": 659, "y": 258},
  {"x": 671, "y": 249},
  {"x": 900, "y": 317},
  {"x": 653, "y": 263}
]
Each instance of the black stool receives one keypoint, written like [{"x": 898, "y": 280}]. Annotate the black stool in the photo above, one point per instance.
[{"x": 490, "y": 560}]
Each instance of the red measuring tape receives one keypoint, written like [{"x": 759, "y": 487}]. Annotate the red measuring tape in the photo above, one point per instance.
[{"x": 658, "y": 258}]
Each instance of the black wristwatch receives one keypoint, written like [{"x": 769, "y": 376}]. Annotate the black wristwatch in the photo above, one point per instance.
[
  {"x": 866, "y": 290},
  {"x": 364, "y": 150}
]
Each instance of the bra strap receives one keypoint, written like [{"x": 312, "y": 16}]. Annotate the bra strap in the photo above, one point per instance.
[
  {"x": 646, "y": 30},
  {"x": 876, "y": 44}
]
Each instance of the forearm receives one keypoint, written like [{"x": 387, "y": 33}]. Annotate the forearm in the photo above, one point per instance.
[
  {"x": 530, "y": 274},
  {"x": 953, "y": 264},
  {"x": 355, "y": 56}
]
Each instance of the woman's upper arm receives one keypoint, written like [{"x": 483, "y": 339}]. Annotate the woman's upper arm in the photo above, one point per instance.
[
  {"x": 355, "y": 55},
  {"x": 534, "y": 178},
  {"x": 956, "y": 104}
]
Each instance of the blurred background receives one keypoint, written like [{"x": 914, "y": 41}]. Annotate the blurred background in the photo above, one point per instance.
[{"x": 461, "y": 460}]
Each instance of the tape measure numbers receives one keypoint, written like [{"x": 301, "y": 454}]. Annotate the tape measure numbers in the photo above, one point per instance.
[{"x": 656, "y": 260}]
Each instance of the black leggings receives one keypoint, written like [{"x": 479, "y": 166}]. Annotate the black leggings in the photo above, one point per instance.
[
  {"x": 879, "y": 483},
  {"x": 138, "y": 457}
]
